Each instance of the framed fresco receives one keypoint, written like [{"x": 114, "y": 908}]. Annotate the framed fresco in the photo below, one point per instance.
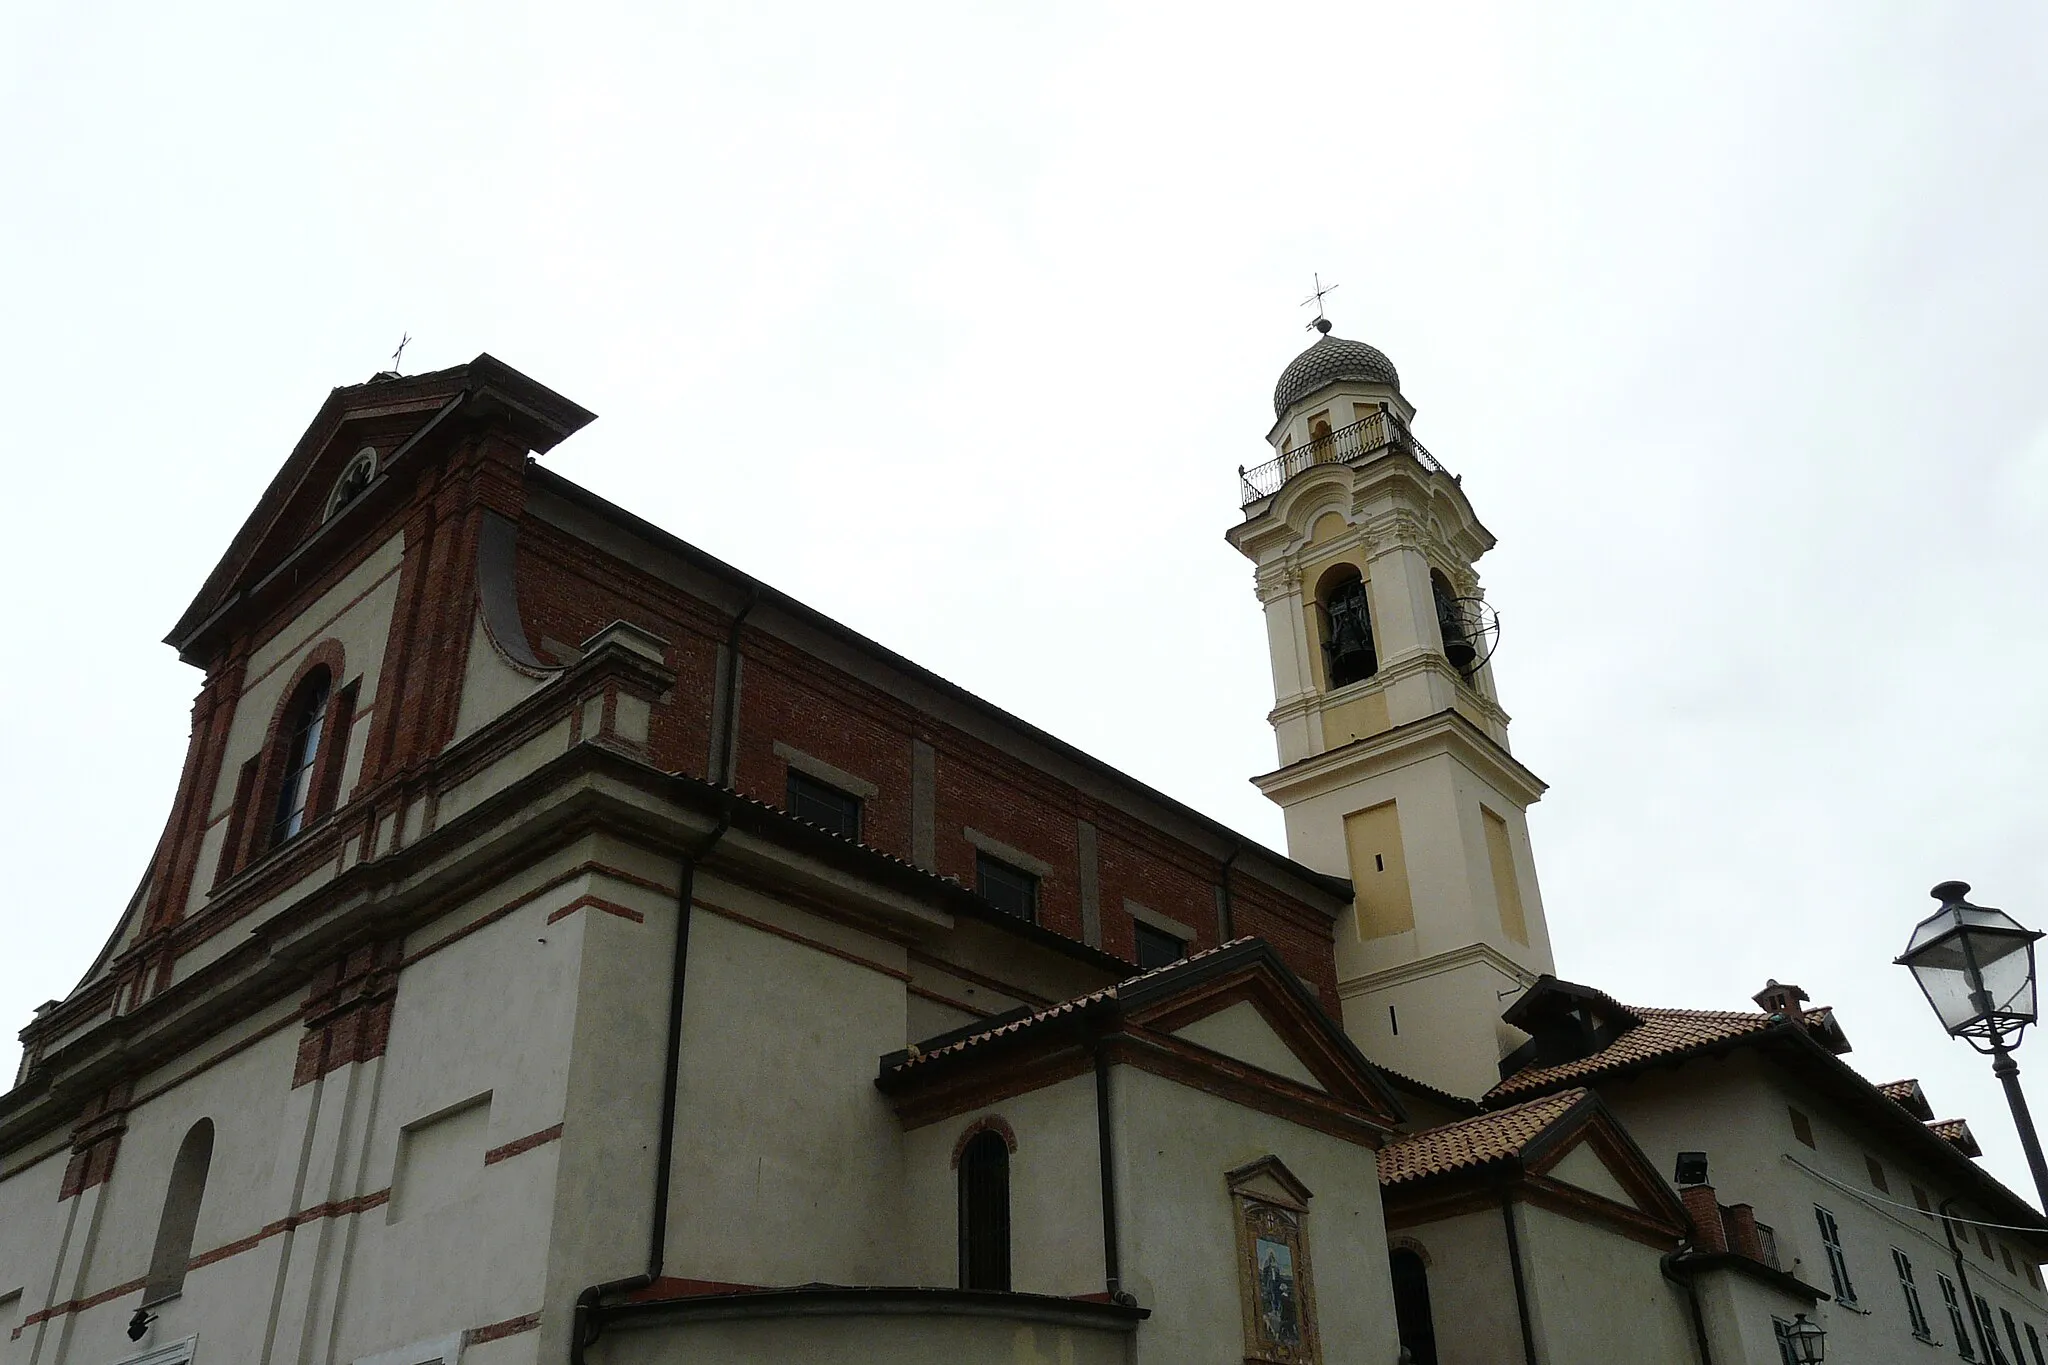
[{"x": 1275, "y": 1283}]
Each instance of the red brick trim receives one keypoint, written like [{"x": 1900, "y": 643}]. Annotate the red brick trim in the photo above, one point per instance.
[
  {"x": 506, "y": 1151},
  {"x": 1410, "y": 1244},
  {"x": 336, "y": 1208},
  {"x": 681, "y": 1287},
  {"x": 348, "y": 1011},
  {"x": 597, "y": 903},
  {"x": 96, "y": 1140},
  {"x": 339, "y": 612},
  {"x": 987, "y": 1123},
  {"x": 510, "y": 1327},
  {"x": 255, "y": 828},
  {"x": 58, "y": 1310},
  {"x": 527, "y": 898},
  {"x": 778, "y": 931}
]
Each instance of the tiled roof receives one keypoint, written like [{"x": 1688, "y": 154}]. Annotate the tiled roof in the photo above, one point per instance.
[
  {"x": 1663, "y": 1032},
  {"x": 1474, "y": 1142},
  {"x": 1898, "y": 1091},
  {"x": 917, "y": 1056},
  {"x": 1956, "y": 1132}
]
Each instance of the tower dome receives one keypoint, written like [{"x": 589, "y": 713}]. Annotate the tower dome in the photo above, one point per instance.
[{"x": 1332, "y": 358}]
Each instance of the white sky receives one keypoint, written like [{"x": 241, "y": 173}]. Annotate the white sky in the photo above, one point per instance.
[{"x": 957, "y": 325}]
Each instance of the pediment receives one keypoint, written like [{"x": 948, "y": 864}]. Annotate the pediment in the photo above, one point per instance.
[
  {"x": 1249, "y": 1008},
  {"x": 1597, "y": 1157},
  {"x": 402, "y": 421},
  {"x": 1240, "y": 1032}
]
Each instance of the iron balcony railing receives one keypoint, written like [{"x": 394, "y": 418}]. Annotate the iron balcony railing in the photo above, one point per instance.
[{"x": 1370, "y": 435}]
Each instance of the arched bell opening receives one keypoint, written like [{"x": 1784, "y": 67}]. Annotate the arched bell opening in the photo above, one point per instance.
[
  {"x": 1345, "y": 615},
  {"x": 1461, "y": 647}
]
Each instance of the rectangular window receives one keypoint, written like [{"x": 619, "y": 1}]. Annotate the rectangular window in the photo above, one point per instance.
[
  {"x": 1767, "y": 1242},
  {"x": 2005, "y": 1253},
  {"x": 1984, "y": 1240},
  {"x": 2034, "y": 1345},
  {"x": 1155, "y": 947},
  {"x": 2012, "y": 1334},
  {"x": 1988, "y": 1330},
  {"x": 824, "y": 805},
  {"x": 1802, "y": 1126},
  {"x": 1838, "y": 1264},
  {"x": 1877, "y": 1180},
  {"x": 1914, "y": 1315},
  {"x": 1953, "y": 1302},
  {"x": 1011, "y": 890},
  {"x": 1920, "y": 1200}
]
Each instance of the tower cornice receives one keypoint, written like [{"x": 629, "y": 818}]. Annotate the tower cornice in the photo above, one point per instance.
[{"x": 1444, "y": 732}]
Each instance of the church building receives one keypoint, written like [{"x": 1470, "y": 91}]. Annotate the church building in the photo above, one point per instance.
[{"x": 563, "y": 946}]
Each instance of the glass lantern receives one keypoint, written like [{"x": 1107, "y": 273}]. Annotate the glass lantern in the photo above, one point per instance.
[{"x": 1976, "y": 967}]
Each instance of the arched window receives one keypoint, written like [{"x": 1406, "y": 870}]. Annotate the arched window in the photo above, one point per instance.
[
  {"x": 985, "y": 1212},
  {"x": 1412, "y": 1319},
  {"x": 304, "y": 721},
  {"x": 1459, "y": 647},
  {"x": 1348, "y": 652},
  {"x": 181, "y": 1215}
]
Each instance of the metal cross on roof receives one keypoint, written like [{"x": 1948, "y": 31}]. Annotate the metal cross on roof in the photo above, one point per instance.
[
  {"x": 403, "y": 341},
  {"x": 1316, "y": 298}
]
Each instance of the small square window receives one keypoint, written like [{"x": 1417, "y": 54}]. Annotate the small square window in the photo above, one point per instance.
[
  {"x": 1877, "y": 1180},
  {"x": 1155, "y": 947},
  {"x": 1802, "y": 1126},
  {"x": 1011, "y": 890},
  {"x": 824, "y": 805}
]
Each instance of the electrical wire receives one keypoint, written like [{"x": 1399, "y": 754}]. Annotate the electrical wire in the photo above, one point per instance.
[{"x": 1870, "y": 1198}]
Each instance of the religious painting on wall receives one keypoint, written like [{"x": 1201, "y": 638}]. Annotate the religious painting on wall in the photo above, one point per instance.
[{"x": 1278, "y": 1294}]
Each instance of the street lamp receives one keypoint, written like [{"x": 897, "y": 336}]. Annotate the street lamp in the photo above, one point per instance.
[
  {"x": 1976, "y": 967},
  {"x": 1808, "y": 1341}
]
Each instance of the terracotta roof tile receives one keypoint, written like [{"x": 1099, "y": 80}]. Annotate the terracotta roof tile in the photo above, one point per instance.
[
  {"x": 1474, "y": 1142},
  {"x": 1900, "y": 1091},
  {"x": 1663, "y": 1032},
  {"x": 1956, "y": 1132},
  {"x": 917, "y": 1056}
]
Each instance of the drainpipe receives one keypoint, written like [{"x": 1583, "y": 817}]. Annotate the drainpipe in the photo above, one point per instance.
[
  {"x": 1669, "y": 1264},
  {"x": 1223, "y": 888},
  {"x": 1963, "y": 1276},
  {"x": 587, "y": 1322},
  {"x": 728, "y": 733},
  {"x": 1507, "y": 1218},
  {"x": 1106, "y": 1153}
]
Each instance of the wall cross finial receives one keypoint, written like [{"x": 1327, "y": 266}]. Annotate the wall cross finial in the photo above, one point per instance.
[{"x": 1321, "y": 323}]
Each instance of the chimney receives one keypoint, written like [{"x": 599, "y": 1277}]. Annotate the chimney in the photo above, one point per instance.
[
  {"x": 1708, "y": 1234},
  {"x": 1739, "y": 1221},
  {"x": 1782, "y": 1000}
]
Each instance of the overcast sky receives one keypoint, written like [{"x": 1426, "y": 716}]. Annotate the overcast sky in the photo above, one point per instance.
[{"x": 957, "y": 325}]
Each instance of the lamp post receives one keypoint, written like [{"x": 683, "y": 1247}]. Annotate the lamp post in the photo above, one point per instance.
[
  {"x": 1976, "y": 967},
  {"x": 1808, "y": 1341}
]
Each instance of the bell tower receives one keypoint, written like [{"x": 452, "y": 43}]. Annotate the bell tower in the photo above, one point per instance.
[{"x": 1393, "y": 747}]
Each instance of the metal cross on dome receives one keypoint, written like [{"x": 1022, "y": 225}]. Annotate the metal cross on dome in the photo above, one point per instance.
[{"x": 1321, "y": 323}]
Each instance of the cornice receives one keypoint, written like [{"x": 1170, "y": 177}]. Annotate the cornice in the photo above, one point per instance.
[
  {"x": 1446, "y": 732},
  {"x": 1472, "y": 954}
]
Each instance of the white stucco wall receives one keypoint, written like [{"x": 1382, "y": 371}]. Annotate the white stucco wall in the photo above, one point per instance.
[
  {"x": 1055, "y": 1204},
  {"x": 1736, "y": 1111},
  {"x": 788, "y": 1160},
  {"x": 1174, "y": 1146}
]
